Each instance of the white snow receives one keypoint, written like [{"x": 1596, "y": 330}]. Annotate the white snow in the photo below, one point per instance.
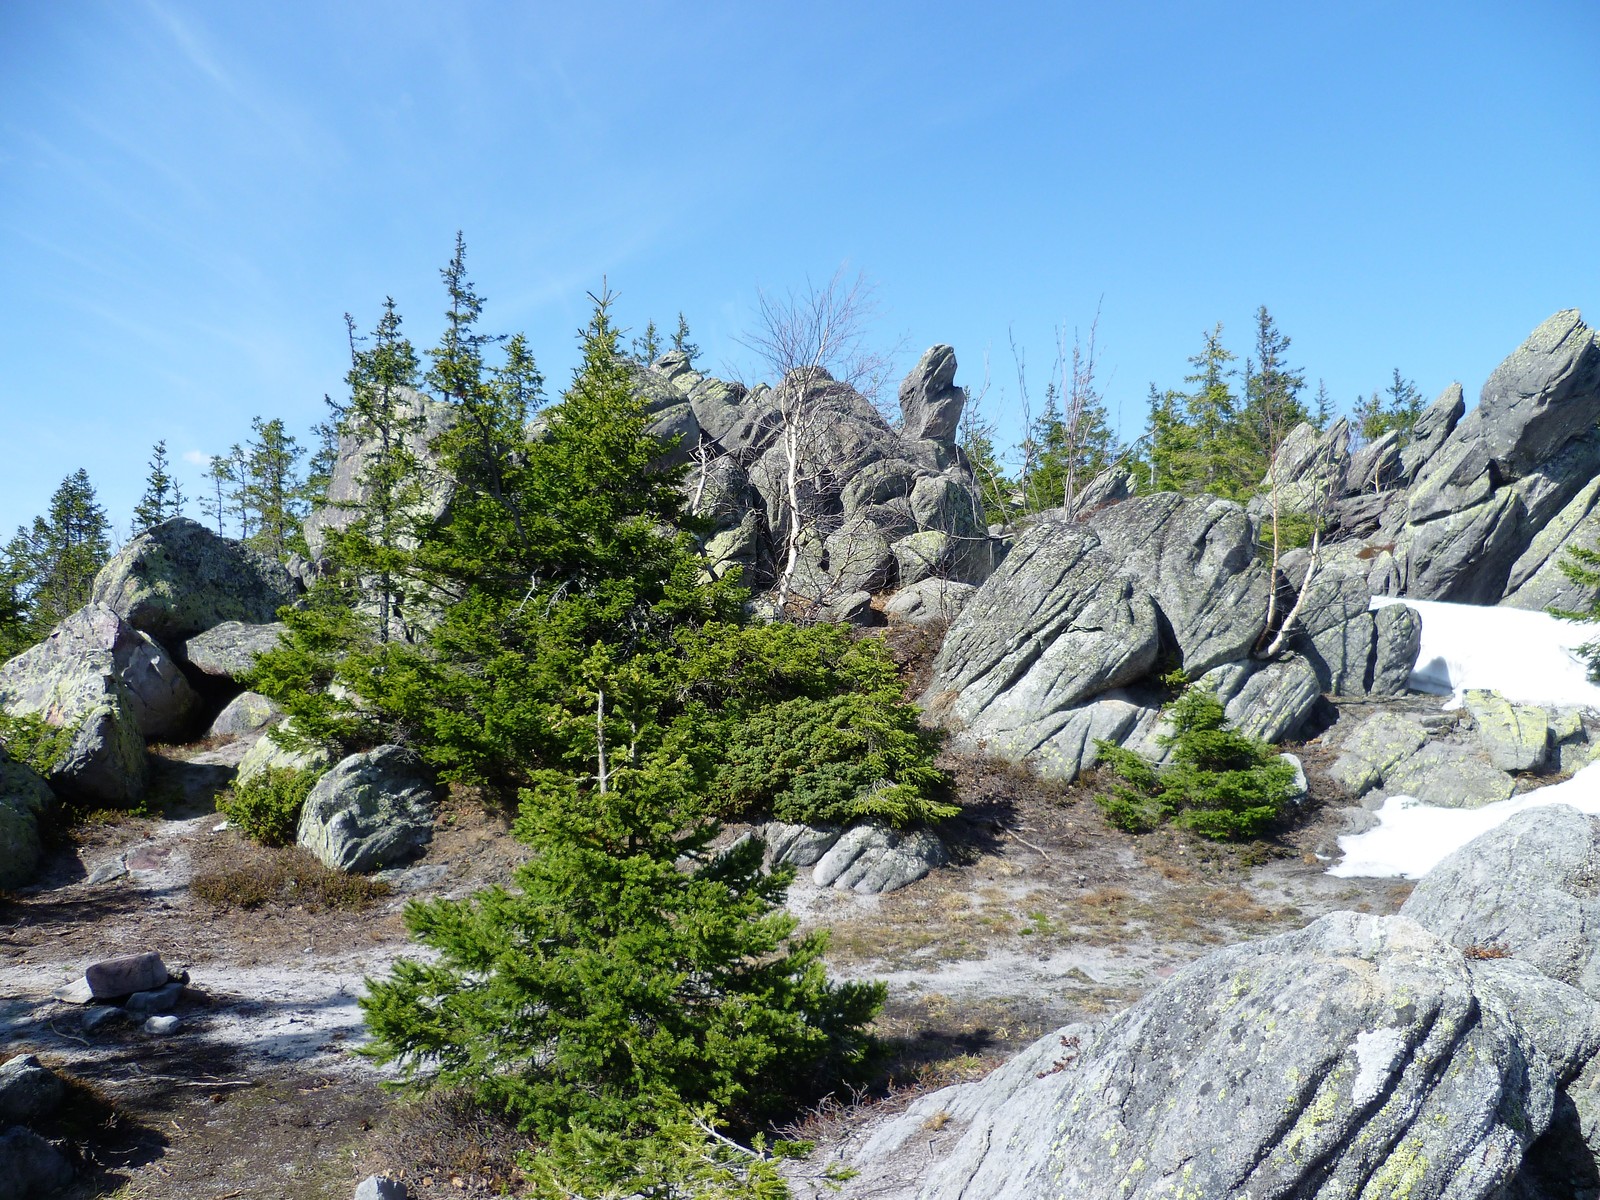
[{"x": 1527, "y": 657}]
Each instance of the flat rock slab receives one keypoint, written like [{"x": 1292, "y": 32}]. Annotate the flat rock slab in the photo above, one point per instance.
[
  {"x": 229, "y": 650},
  {"x": 1515, "y": 736},
  {"x": 113, "y": 978},
  {"x": 1373, "y": 747},
  {"x": 1449, "y": 776}
]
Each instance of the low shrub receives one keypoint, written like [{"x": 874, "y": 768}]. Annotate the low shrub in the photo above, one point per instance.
[
  {"x": 266, "y": 807},
  {"x": 840, "y": 760},
  {"x": 288, "y": 876},
  {"x": 1220, "y": 783}
]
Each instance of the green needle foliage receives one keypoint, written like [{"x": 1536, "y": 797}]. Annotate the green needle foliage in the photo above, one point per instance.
[
  {"x": 1220, "y": 783},
  {"x": 630, "y": 971},
  {"x": 628, "y": 982}
]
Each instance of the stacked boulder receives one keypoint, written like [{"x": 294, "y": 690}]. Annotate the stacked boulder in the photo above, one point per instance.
[
  {"x": 877, "y": 507},
  {"x": 1449, "y": 1051},
  {"x": 142, "y": 661},
  {"x": 1479, "y": 507}
]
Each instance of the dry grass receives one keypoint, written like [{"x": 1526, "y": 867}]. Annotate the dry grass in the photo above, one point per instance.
[
  {"x": 1482, "y": 951},
  {"x": 444, "y": 1139},
  {"x": 287, "y": 877}
]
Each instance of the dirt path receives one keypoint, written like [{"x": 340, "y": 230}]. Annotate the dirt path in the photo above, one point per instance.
[{"x": 1047, "y": 916}]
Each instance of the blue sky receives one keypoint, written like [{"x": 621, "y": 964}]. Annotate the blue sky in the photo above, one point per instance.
[{"x": 191, "y": 195}]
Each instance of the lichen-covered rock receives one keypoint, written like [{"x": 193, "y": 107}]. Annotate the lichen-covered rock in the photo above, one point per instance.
[
  {"x": 1373, "y": 747},
  {"x": 179, "y": 579},
  {"x": 24, "y": 799},
  {"x": 1437, "y": 422},
  {"x": 1515, "y": 736},
  {"x": 1526, "y": 889},
  {"x": 1358, "y": 1058},
  {"x": 1266, "y": 700},
  {"x": 370, "y": 811},
  {"x": 79, "y": 653},
  {"x": 1055, "y": 626},
  {"x": 267, "y": 754},
  {"x": 1449, "y": 776},
  {"x": 248, "y": 712},
  {"x": 229, "y": 650},
  {"x": 929, "y": 601},
  {"x": 796, "y": 845},
  {"x": 1397, "y": 640}
]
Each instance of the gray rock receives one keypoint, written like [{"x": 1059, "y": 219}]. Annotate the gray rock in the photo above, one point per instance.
[
  {"x": 1376, "y": 466},
  {"x": 106, "y": 872},
  {"x": 157, "y": 1000},
  {"x": 248, "y": 712},
  {"x": 70, "y": 685},
  {"x": 101, "y": 1015},
  {"x": 1124, "y": 716},
  {"x": 1465, "y": 555},
  {"x": 1537, "y": 580},
  {"x": 1302, "y": 788},
  {"x": 1437, "y": 422},
  {"x": 179, "y": 579},
  {"x": 1516, "y": 736},
  {"x": 24, "y": 799},
  {"x": 678, "y": 429},
  {"x": 796, "y": 845},
  {"x": 380, "y": 1187},
  {"x": 1397, "y": 640},
  {"x": 929, "y": 601},
  {"x": 1373, "y": 747},
  {"x": 29, "y": 1090},
  {"x": 1546, "y": 393},
  {"x": 1450, "y": 777},
  {"x": 852, "y": 609},
  {"x": 1056, "y": 625},
  {"x": 229, "y": 650},
  {"x": 113, "y": 978},
  {"x": 1111, "y": 486},
  {"x": 859, "y": 554},
  {"x": 1266, "y": 700},
  {"x": 1195, "y": 556},
  {"x": 923, "y": 555},
  {"x": 76, "y": 992},
  {"x": 1361, "y": 1056},
  {"x": 372, "y": 810},
  {"x": 871, "y": 859},
  {"x": 930, "y": 403},
  {"x": 30, "y": 1167},
  {"x": 161, "y": 1026},
  {"x": 77, "y": 656},
  {"x": 267, "y": 754},
  {"x": 423, "y": 420},
  {"x": 1528, "y": 889}
]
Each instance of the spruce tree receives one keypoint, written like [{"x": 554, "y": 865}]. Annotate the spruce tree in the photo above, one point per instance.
[
  {"x": 271, "y": 489},
  {"x": 681, "y": 342},
  {"x": 1215, "y": 461},
  {"x": 1272, "y": 395},
  {"x": 222, "y": 480},
  {"x": 163, "y": 498},
  {"x": 647, "y": 348},
  {"x": 63, "y": 552}
]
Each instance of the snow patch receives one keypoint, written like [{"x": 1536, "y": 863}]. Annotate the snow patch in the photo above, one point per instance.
[{"x": 1527, "y": 657}]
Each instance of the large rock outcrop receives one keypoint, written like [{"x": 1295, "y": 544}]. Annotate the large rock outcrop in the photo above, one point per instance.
[
  {"x": 179, "y": 579},
  {"x": 1360, "y": 1057},
  {"x": 1059, "y": 648},
  {"x": 24, "y": 800}
]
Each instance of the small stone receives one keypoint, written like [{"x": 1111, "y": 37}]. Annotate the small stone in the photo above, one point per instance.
[
  {"x": 76, "y": 992},
  {"x": 102, "y": 1014},
  {"x": 157, "y": 1000},
  {"x": 29, "y": 1090},
  {"x": 380, "y": 1187},
  {"x": 113, "y": 978},
  {"x": 106, "y": 872},
  {"x": 161, "y": 1026}
]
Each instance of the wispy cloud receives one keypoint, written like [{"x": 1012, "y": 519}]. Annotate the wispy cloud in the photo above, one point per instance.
[{"x": 198, "y": 458}]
